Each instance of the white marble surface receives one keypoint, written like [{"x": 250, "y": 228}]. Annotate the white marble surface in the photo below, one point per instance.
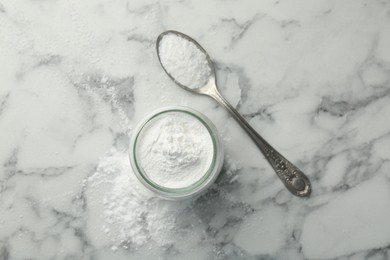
[{"x": 313, "y": 77}]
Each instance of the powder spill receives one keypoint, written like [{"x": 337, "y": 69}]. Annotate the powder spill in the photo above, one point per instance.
[
  {"x": 129, "y": 215},
  {"x": 184, "y": 61},
  {"x": 175, "y": 149}
]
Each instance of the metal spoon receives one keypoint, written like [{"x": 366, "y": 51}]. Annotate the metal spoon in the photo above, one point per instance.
[{"x": 293, "y": 178}]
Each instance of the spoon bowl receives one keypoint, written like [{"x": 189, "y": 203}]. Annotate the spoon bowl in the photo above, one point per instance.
[
  {"x": 293, "y": 178},
  {"x": 211, "y": 83}
]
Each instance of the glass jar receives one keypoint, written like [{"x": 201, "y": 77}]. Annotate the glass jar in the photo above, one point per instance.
[{"x": 195, "y": 188}]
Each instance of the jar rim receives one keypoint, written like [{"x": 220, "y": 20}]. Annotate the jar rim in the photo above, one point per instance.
[{"x": 207, "y": 178}]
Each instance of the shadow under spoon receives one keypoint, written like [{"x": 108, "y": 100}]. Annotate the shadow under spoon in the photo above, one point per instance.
[{"x": 293, "y": 178}]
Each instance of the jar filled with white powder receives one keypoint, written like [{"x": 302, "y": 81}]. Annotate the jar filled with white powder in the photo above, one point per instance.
[{"x": 176, "y": 152}]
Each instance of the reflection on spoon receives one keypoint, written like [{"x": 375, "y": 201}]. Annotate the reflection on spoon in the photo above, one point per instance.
[{"x": 190, "y": 67}]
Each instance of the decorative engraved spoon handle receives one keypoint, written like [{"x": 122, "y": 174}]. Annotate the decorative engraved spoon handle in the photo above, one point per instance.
[{"x": 293, "y": 178}]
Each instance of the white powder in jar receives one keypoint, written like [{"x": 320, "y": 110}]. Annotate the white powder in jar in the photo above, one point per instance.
[
  {"x": 184, "y": 61},
  {"x": 174, "y": 149}
]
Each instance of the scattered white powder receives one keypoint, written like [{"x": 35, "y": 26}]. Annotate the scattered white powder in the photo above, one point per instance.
[
  {"x": 130, "y": 215},
  {"x": 175, "y": 149},
  {"x": 184, "y": 61}
]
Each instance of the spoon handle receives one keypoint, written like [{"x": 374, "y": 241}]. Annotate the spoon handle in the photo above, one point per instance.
[{"x": 293, "y": 178}]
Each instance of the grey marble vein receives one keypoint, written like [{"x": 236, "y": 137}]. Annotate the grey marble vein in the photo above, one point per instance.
[{"x": 312, "y": 77}]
